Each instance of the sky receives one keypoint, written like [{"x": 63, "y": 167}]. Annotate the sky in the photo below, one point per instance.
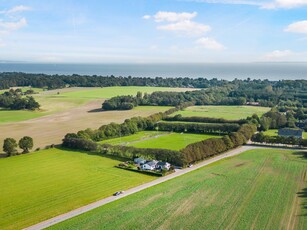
[{"x": 153, "y": 31}]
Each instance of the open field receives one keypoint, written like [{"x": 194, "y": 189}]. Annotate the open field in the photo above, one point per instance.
[
  {"x": 44, "y": 184},
  {"x": 52, "y": 128},
  {"x": 226, "y": 112},
  {"x": 54, "y": 101},
  {"x": 259, "y": 189},
  {"x": 274, "y": 132},
  {"x": 161, "y": 140}
]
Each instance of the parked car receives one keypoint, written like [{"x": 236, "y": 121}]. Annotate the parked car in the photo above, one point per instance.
[{"x": 118, "y": 193}]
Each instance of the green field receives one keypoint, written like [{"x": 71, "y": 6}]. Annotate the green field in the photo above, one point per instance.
[
  {"x": 274, "y": 132},
  {"x": 226, "y": 112},
  {"x": 44, "y": 184},
  {"x": 258, "y": 189},
  {"x": 52, "y": 102},
  {"x": 160, "y": 140}
]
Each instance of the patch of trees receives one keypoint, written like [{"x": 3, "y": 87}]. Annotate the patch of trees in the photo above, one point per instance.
[
  {"x": 10, "y": 145},
  {"x": 214, "y": 146},
  {"x": 209, "y": 128},
  {"x": 179, "y": 117},
  {"x": 13, "y": 99},
  {"x": 261, "y": 138},
  {"x": 275, "y": 120}
]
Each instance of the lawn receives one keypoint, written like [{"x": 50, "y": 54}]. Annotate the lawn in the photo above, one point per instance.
[
  {"x": 54, "y": 101},
  {"x": 274, "y": 132},
  {"x": 160, "y": 140},
  {"x": 226, "y": 112},
  {"x": 258, "y": 189},
  {"x": 44, "y": 184}
]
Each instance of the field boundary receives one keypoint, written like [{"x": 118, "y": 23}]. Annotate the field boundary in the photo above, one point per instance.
[{"x": 99, "y": 203}]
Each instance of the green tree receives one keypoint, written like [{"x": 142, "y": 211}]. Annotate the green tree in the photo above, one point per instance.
[
  {"x": 25, "y": 144},
  {"x": 9, "y": 146}
]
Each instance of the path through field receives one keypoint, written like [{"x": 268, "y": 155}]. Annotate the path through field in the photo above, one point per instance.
[{"x": 102, "y": 202}]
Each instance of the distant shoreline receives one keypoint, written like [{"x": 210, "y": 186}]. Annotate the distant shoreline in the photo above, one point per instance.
[{"x": 227, "y": 71}]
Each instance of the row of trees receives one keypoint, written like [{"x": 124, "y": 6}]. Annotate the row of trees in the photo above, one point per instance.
[
  {"x": 210, "y": 147},
  {"x": 261, "y": 138},
  {"x": 179, "y": 117},
  {"x": 10, "y": 145},
  {"x": 15, "y": 100},
  {"x": 209, "y": 128}
]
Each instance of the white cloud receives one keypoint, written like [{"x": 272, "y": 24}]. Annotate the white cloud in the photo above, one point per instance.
[
  {"x": 187, "y": 27},
  {"x": 146, "y": 17},
  {"x": 278, "y": 55},
  {"x": 13, "y": 25},
  {"x": 264, "y": 4},
  {"x": 297, "y": 27},
  {"x": 16, "y": 9},
  {"x": 210, "y": 43},
  {"x": 162, "y": 16},
  {"x": 179, "y": 22},
  {"x": 287, "y": 4}
]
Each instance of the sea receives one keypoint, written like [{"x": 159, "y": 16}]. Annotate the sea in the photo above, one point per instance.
[{"x": 227, "y": 71}]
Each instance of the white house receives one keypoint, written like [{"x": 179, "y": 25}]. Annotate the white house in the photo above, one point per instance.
[
  {"x": 149, "y": 165},
  {"x": 163, "y": 165}
]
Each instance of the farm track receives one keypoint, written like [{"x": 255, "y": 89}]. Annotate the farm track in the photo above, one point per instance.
[{"x": 102, "y": 202}]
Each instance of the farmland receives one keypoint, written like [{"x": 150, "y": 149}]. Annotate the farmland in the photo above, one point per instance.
[
  {"x": 54, "y": 101},
  {"x": 226, "y": 112},
  {"x": 260, "y": 189},
  {"x": 274, "y": 132},
  {"x": 44, "y": 184},
  {"x": 164, "y": 140}
]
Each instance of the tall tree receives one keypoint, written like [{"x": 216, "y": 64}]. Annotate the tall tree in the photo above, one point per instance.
[
  {"x": 9, "y": 146},
  {"x": 25, "y": 144}
]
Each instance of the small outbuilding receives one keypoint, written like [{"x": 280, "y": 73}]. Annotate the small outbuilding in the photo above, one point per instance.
[{"x": 297, "y": 133}]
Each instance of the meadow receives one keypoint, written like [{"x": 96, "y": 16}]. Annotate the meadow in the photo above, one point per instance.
[
  {"x": 54, "y": 101},
  {"x": 226, "y": 112},
  {"x": 41, "y": 185},
  {"x": 258, "y": 189},
  {"x": 161, "y": 140},
  {"x": 274, "y": 132}
]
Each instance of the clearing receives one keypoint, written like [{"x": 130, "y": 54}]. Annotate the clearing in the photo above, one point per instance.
[
  {"x": 259, "y": 189},
  {"x": 226, "y": 112},
  {"x": 44, "y": 184}
]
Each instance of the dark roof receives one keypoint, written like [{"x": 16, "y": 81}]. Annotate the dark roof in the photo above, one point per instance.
[
  {"x": 162, "y": 163},
  {"x": 291, "y": 132}
]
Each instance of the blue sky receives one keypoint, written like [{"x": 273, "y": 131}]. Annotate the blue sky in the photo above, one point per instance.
[{"x": 153, "y": 31}]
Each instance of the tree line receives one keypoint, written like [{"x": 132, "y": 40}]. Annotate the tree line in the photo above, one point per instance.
[
  {"x": 290, "y": 93},
  {"x": 262, "y": 138},
  {"x": 179, "y": 117}
]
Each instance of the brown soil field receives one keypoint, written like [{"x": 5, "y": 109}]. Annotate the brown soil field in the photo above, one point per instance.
[{"x": 52, "y": 128}]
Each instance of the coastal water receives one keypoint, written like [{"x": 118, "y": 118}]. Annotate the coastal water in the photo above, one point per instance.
[{"x": 228, "y": 71}]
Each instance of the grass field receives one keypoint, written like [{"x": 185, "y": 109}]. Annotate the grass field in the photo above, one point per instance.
[
  {"x": 161, "y": 140},
  {"x": 226, "y": 112},
  {"x": 274, "y": 132},
  {"x": 64, "y": 99},
  {"x": 259, "y": 189},
  {"x": 44, "y": 184}
]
